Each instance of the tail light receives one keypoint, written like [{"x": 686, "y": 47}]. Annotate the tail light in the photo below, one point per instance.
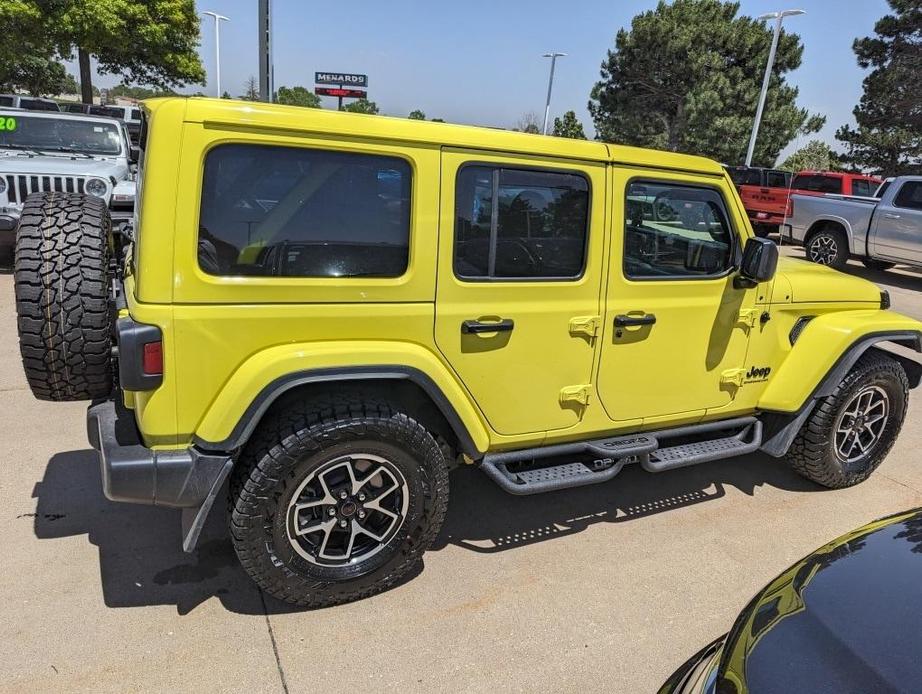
[
  {"x": 789, "y": 212},
  {"x": 152, "y": 361}
]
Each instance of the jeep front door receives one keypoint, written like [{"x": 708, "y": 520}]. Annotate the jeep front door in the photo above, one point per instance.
[
  {"x": 675, "y": 328},
  {"x": 520, "y": 265}
]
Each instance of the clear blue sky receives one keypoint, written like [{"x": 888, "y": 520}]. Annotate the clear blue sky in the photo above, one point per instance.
[{"x": 479, "y": 61}]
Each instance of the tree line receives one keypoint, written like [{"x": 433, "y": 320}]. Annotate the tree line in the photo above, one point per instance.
[{"x": 684, "y": 77}]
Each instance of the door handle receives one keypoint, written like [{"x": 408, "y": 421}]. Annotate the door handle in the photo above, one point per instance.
[
  {"x": 470, "y": 327},
  {"x": 890, "y": 215},
  {"x": 624, "y": 321}
]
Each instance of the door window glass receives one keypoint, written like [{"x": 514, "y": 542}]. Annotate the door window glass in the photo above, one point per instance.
[
  {"x": 675, "y": 230},
  {"x": 910, "y": 195},
  {"x": 818, "y": 183},
  {"x": 777, "y": 179},
  {"x": 518, "y": 223},
  {"x": 297, "y": 212},
  {"x": 861, "y": 186}
]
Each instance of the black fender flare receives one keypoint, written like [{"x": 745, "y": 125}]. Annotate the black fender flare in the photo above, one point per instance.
[
  {"x": 256, "y": 409},
  {"x": 782, "y": 427}
]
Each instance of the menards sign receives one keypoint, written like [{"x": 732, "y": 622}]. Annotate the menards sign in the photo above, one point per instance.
[{"x": 343, "y": 78}]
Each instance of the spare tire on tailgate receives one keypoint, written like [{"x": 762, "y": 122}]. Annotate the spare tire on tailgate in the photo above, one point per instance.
[{"x": 65, "y": 314}]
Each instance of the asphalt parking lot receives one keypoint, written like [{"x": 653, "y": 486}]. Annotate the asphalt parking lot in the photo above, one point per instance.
[{"x": 606, "y": 588}]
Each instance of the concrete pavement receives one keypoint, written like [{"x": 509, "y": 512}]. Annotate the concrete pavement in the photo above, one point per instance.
[{"x": 606, "y": 588}]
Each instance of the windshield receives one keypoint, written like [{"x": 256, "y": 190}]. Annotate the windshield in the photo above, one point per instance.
[{"x": 60, "y": 135}]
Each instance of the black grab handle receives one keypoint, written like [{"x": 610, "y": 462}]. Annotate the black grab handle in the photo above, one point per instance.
[
  {"x": 624, "y": 321},
  {"x": 469, "y": 327}
]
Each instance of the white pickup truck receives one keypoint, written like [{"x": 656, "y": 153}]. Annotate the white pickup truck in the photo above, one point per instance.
[{"x": 882, "y": 230}]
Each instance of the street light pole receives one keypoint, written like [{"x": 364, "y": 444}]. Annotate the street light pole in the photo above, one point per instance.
[
  {"x": 217, "y": 46},
  {"x": 778, "y": 17},
  {"x": 550, "y": 85}
]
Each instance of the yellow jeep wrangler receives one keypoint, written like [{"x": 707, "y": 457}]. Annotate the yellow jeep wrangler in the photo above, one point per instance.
[{"x": 317, "y": 314}]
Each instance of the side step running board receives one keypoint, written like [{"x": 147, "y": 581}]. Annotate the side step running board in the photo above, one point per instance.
[{"x": 617, "y": 452}]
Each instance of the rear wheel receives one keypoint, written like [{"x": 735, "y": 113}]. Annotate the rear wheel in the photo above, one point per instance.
[
  {"x": 336, "y": 499},
  {"x": 828, "y": 247},
  {"x": 61, "y": 277},
  {"x": 851, "y": 431}
]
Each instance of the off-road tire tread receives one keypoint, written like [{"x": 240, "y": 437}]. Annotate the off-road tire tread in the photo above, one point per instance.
[
  {"x": 305, "y": 426},
  {"x": 61, "y": 280},
  {"x": 808, "y": 454}
]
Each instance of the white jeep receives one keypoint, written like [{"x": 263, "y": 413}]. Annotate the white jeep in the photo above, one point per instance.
[{"x": 67, "y": 153}]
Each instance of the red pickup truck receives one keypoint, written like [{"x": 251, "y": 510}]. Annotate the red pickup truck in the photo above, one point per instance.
[{"x": 766, "y": 192}]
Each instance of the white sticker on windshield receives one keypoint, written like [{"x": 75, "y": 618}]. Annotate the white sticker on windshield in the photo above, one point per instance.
[{"x": 97, "y": 128}]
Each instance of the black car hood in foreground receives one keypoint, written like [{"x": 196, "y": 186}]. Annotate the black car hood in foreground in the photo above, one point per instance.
[{"x": 847, "y": 618}]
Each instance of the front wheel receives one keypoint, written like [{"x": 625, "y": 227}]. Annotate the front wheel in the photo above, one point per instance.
[
  {"x": 851, "y": 431},
  {"x": 828, "y": 247},
  {"x": 336, "y": 499}
]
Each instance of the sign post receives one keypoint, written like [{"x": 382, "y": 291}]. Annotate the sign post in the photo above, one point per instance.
[{"x": 343, "y": 85}]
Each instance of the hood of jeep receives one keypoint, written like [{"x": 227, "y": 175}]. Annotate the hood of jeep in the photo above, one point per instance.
[
  {"x": 800, "y": 281},
  {"x": 19, "y": 162}
]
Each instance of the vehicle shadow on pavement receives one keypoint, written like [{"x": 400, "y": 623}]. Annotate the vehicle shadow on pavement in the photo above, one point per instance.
[
  {"x": 141, "y": 561},
  {"x": 499, "y": 521}
]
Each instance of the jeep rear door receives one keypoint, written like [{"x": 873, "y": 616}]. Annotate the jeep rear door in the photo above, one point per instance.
[
  {"x": 521, "y": 257},
  {"x": 675, "y": 331}
]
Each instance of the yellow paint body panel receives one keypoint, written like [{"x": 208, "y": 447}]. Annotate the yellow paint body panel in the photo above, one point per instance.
[{"x": 227, "y": 338}]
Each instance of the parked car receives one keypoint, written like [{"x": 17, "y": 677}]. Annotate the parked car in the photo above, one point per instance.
[
  {"x": 29, "y": 103},
  {"x": 835, "y": 182},
  {"x": 844, "y": 619},
  {"x": 764, "y": 193},
  {"x": 64, "y": 153},
  {"x": 880, "y": 231},
  {"x": 329, "y": 310},
  {"x": 130, "y": 115}
]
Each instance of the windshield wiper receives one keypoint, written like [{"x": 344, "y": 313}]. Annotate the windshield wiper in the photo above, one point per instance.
[
  {"x": 69, "y": 150},
  {"x": 25, "y": 148}
]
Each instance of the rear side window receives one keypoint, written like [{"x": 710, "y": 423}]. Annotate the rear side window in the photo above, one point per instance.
[
  {"x": 674, "y": 230},
  {"x": 862, "y": 186},
  {"x": 520, "y": 223},
  {"x": 910, "y": 195},
  {"x": 777, "y": 179},
  {"x": 743, "y": 176},
  {"x": 135, "y": 114},
  {"x": 6, "y": 101},
  {"x": 293, "y": 212},
  {"x": 818, "y": 183}
]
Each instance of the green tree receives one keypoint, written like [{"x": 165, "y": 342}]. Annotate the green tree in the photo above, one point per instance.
[
  {"x": 888, "y": 139},
  {"x": 250, "y": 90},
  {"x": 686, "y": 77},
  {"x": 569, "y": 126},
  {"x": 361, "y": 106},
  {"x": 136, "y": 92},
  {"x": 70, "y": 85},
  {"x": 226, "y": 95},
  {"x": 816, "y": 155},
  {"x": 297, "y": 96},
  {"x": 148, "y": 41},
  {"x": 438, "y": 120},
  {"x": 28, "y": 59},
  {"x": 417, "y": 115}
]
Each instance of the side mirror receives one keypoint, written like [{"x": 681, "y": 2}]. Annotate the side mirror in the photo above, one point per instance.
[
  {"x": 134, "y": 154},
  {"x": 760, "y": 259}
]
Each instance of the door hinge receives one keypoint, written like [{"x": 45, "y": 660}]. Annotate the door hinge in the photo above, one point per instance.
[
  {"x": 578, "y": 394},
  {"x": 734, "y": 376},
  {"x": 749, "y": 316},
  {"x": 585, "y": 325}
]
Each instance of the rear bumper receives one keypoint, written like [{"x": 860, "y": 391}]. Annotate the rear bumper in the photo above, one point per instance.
[{"x": 133, "y": 473}]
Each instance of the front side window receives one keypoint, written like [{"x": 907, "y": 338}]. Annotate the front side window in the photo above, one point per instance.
[
  {"x": 673, "y": 230},
  {"x": 294, "y": 212},
  {"x": 910, "y": 195},
  {"x": 818, "y": 183},
  {"x": 520, "y": 223}
]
